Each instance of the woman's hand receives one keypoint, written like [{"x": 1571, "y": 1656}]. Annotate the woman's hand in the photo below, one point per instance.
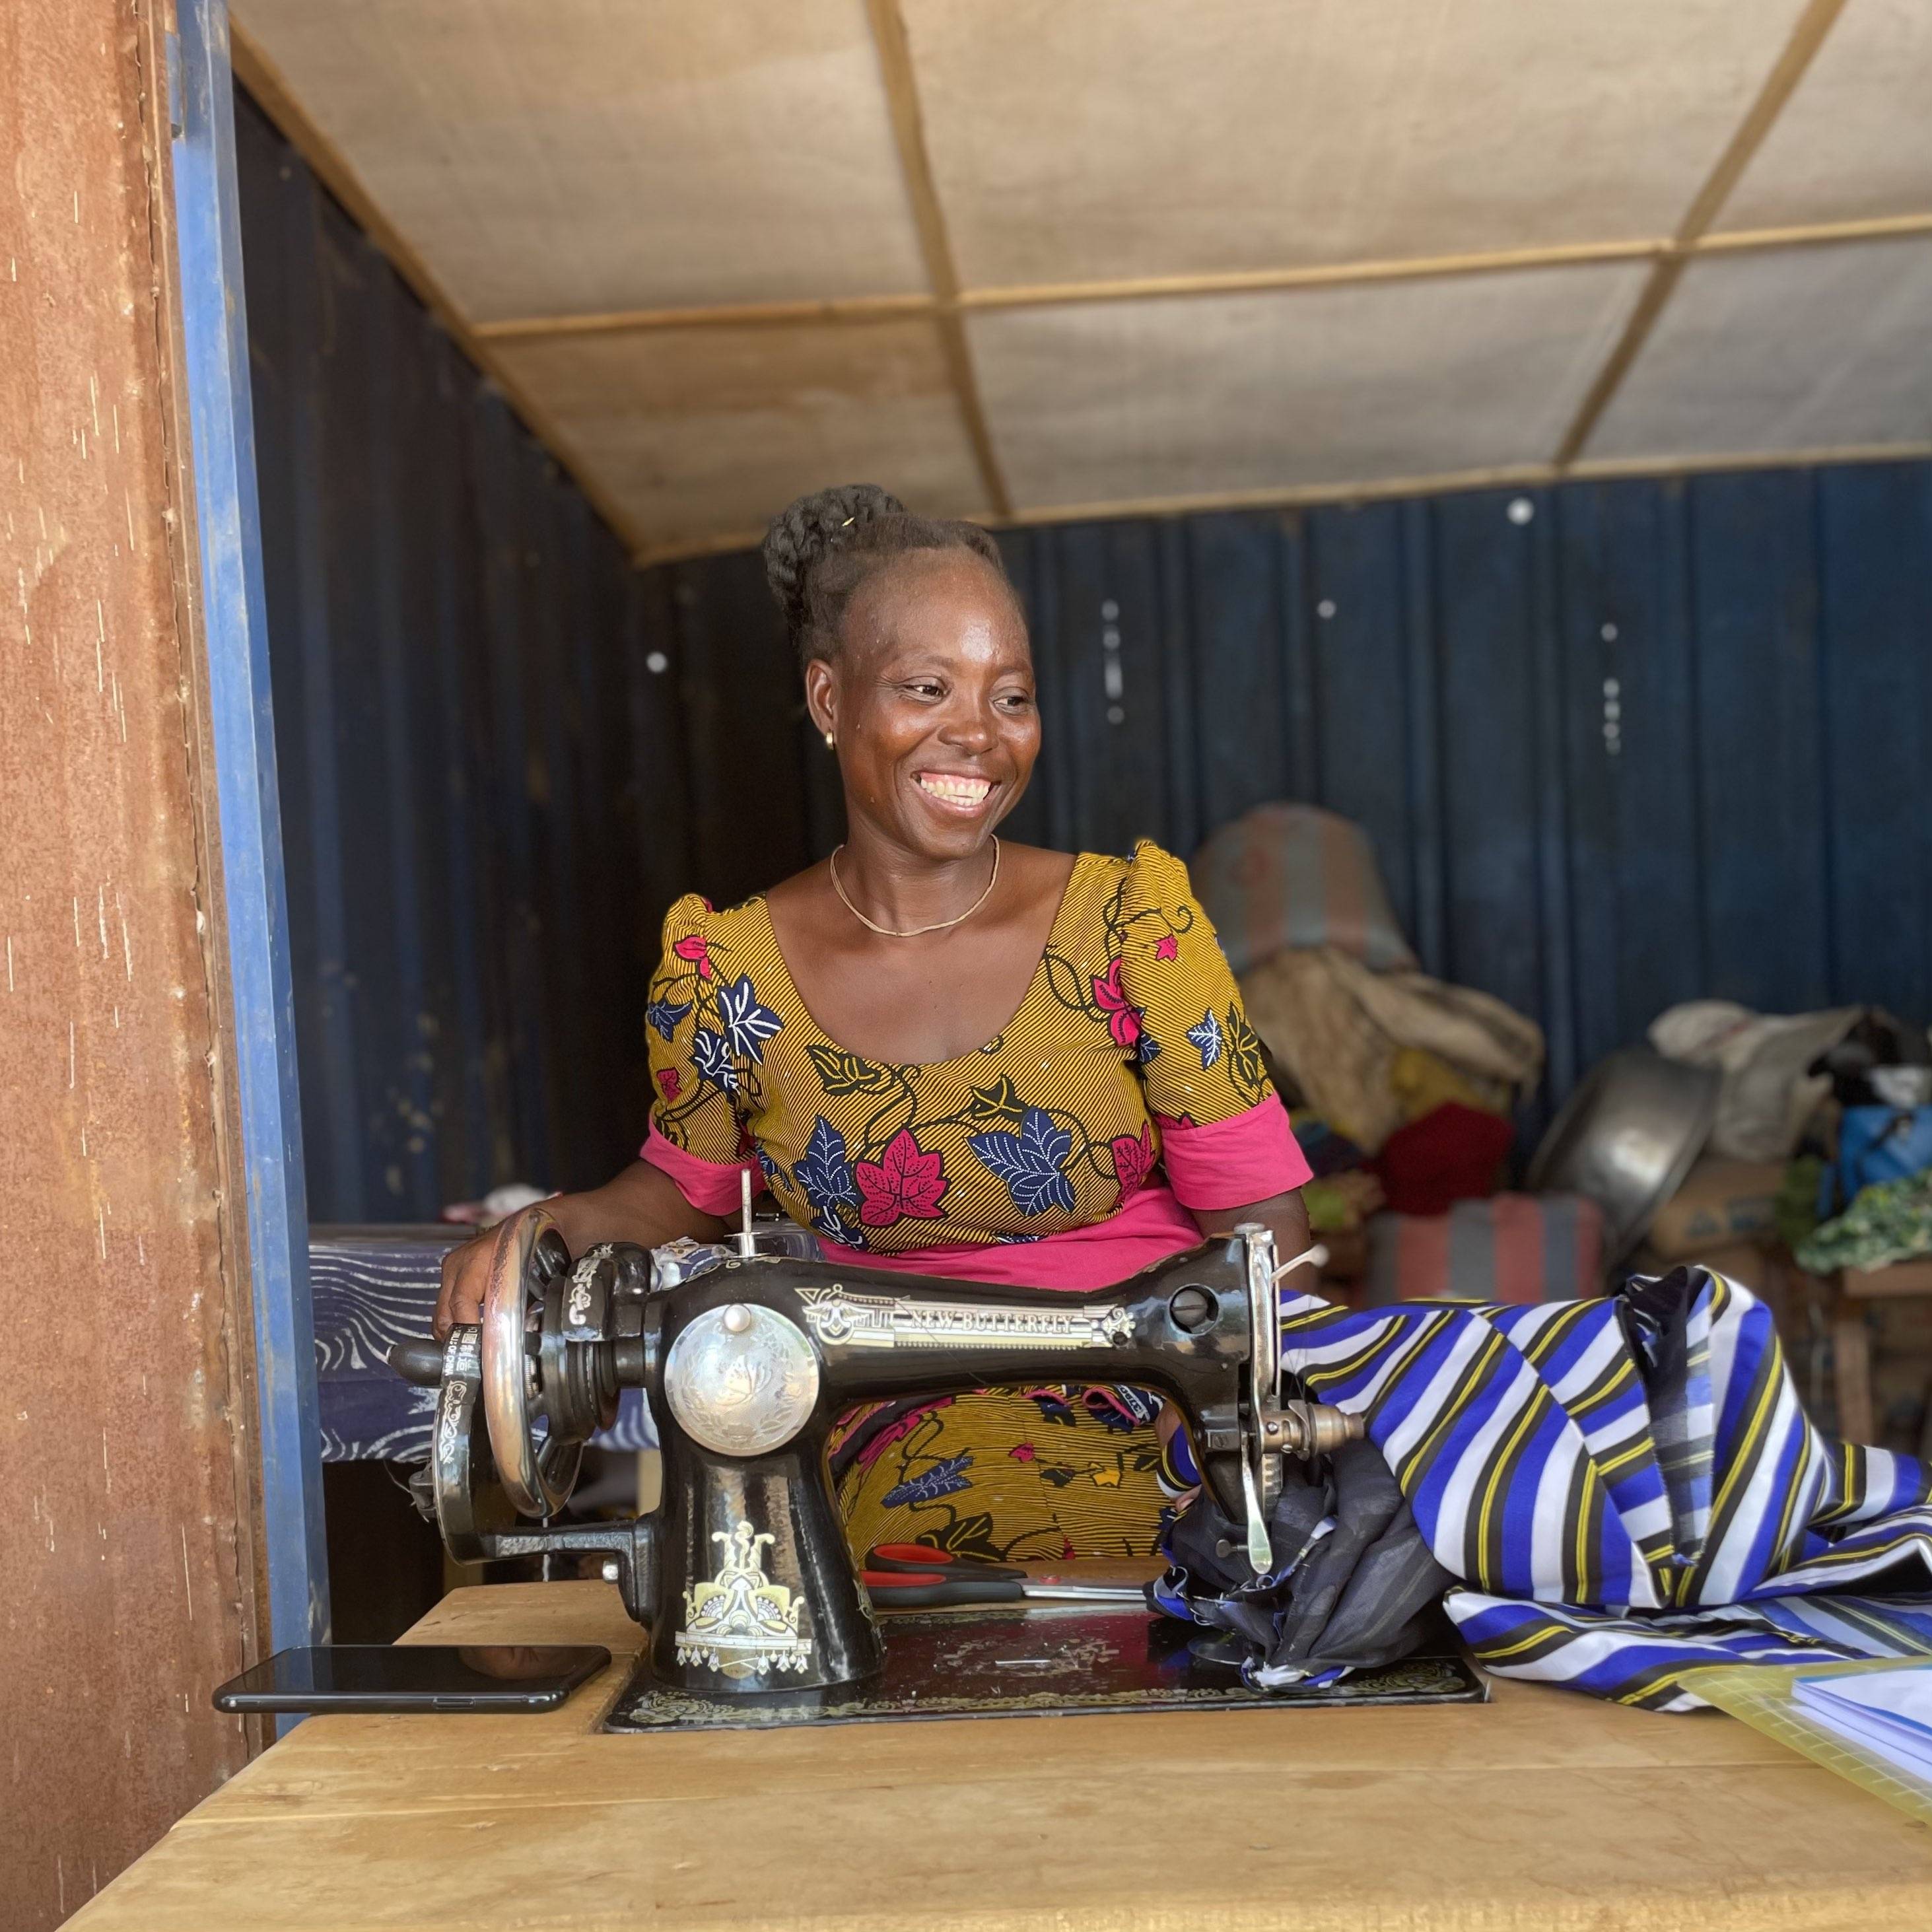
[
  {"x": 466, "y": 1277},
  {"x": 642, "y": 1204}
]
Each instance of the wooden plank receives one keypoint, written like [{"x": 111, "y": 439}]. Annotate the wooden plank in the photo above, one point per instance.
[
  {"x": 1875, "y": 537},
  {"x": 1761, "y": 794},
  {"x": 405, "y": 1823}
]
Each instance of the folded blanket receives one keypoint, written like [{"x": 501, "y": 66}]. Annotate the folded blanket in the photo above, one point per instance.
[{"x": 1626, "y": 1489}]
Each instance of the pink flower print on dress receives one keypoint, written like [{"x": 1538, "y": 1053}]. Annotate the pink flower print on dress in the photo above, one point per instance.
[
  {"x": 671, "y": 1080},
  {"x": 1123, "y": 1017},
  {"x": 1169, "y": 947},
  {"x": 692, "y": 947},
  {"x": 902, "y": 1184},
  {"x": 1133, "y": 1159}
]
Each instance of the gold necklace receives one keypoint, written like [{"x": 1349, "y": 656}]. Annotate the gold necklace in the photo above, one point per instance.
[{"x": 912, "y": 932}]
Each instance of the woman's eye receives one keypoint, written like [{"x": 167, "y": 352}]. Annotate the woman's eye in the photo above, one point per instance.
[{"x": 925, "y": 688}]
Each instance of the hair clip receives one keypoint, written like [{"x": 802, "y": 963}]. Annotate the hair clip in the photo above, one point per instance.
[{"x": 847, "y": 524}]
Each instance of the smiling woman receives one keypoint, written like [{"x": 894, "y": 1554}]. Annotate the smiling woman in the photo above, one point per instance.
[{"x": 953, "y": 1056}]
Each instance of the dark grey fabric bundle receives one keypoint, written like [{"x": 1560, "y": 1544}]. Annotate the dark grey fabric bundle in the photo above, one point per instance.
[{"x": 1350, "y": 1587}]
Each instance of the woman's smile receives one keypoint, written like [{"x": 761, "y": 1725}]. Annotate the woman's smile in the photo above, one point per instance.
[{"x": 960, "y": 794}]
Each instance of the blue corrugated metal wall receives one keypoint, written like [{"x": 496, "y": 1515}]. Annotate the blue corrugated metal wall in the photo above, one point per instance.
[
  {"x": 490, "y": 797},
  {"x": 1618, "y": 744},
  {"x": 482, "y": 799}
]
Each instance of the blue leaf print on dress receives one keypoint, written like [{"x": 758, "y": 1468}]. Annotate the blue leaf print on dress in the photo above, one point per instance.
[
  {"x": 824, "y": 1175},
  {"x": 946, "y": 1477},
  {"x": 1207, "y": 1036},
  {"x": 1150, "y": 1048},
  {"x": 747, "y": 1024},
  {"x": 1030, "y": 1162},
  {"x": 713, "y": 1059},
  {"x": 665, "y": 1014}
]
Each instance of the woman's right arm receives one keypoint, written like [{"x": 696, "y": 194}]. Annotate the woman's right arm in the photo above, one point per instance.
[{"x": 642, "y": 1204}]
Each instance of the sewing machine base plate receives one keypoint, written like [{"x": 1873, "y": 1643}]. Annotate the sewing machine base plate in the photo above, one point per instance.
[{"x": 1043, "y": 1661}]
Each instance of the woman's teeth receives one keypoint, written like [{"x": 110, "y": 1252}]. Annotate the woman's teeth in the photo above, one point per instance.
[{"x": 951, "y": 790}]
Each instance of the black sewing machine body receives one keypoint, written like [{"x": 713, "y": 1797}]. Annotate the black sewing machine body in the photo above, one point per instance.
[{"x": 743, "y": 1575}]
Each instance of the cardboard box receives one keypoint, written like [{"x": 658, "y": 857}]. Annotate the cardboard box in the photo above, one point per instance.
[{"x": 1721, "y": 1202}]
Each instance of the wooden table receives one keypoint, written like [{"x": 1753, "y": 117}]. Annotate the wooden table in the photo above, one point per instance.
[
  {"x": 1848, "y": 1295},
  {"x": 1542, "y": 1812}
]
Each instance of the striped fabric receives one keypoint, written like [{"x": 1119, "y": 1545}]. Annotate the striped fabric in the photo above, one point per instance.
[
  {"x": 1627, "y": 1487},
  {"x": 1285, "y": 875},
  {"x": 1511, "y": 1247}
]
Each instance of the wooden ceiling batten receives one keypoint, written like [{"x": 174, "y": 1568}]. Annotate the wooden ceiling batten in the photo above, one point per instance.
[
  {"x": 1258, "y": 281},
  {"x": 1309, "y": 496},
  {"x": 273, "y": 95},
  {"x": 727, "y": 315},
  {"x": 901, "y": 88},
  {"x": 1806, "y": 37}
]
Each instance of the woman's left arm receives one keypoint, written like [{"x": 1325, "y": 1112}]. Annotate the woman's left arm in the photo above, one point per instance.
[{"x": 1288, "y": 1219}]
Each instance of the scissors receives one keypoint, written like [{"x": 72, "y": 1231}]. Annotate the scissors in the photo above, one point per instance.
[{"x": 910, "y": 1576}]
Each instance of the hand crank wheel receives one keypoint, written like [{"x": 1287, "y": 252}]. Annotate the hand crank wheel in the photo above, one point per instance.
[{"x": 537, "y": 1474}]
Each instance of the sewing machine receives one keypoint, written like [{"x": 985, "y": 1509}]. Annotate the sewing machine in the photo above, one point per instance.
[{"x": 746, "y": 1357}]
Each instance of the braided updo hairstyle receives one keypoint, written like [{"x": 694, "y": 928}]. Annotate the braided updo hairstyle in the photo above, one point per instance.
[{"x": 823, "y": 547}]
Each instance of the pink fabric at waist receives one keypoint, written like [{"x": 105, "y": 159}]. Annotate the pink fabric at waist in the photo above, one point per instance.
[{"x": 1152, "y": 1225}]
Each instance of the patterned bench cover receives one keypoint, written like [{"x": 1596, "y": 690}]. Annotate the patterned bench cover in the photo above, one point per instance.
[{"x": 374, "y": 1286}]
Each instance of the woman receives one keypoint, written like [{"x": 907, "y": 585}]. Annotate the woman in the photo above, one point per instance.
[{"x": 952, "y": 1055}]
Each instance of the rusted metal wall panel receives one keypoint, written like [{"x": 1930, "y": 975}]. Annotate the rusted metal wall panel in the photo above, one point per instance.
[{"x": 126, "y": 1567}]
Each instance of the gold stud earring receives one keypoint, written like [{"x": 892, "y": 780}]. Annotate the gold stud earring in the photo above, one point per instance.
[{"x": 828, "y": 741}]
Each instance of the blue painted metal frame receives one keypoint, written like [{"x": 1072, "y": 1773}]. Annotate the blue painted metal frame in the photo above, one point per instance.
[{"x": 234, "y": 615}]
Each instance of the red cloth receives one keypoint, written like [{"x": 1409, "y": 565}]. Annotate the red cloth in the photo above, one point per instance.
[{"x": 1453, "y": 1153}]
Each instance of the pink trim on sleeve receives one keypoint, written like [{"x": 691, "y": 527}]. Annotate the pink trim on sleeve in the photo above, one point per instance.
[
  {"x": 711, "y": 1186},
  {"x": 1252, "y": 1157}
]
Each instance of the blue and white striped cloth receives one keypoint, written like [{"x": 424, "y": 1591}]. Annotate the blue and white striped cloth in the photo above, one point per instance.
[{"x": 1628, "y": 1488}]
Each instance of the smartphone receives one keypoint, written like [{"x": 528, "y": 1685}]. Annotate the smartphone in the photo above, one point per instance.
[{"x": 414, "y": 1677}]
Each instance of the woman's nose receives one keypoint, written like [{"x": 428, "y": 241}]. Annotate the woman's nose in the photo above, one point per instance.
[{"x": 971, "y": 727}]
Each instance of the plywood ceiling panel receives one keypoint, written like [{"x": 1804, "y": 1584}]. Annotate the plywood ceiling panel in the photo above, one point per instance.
[
  {"x": 702, "y": 433},
  {"x": 1101, "y": 138},
  {"x": 545, "y": 157},
  {"x": 1855, "y": 142},
  {"x": 1804, "y": 349},
  {"x": 1160, "y": 399}
]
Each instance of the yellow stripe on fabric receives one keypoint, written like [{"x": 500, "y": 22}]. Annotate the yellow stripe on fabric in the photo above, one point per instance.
[
  {"x": 1586, "y": 1501},
  {"x": 1484, "y": 1359},
  {"x": 1535, "y": 1410},
  {"x": 1743, "y": 1466}
]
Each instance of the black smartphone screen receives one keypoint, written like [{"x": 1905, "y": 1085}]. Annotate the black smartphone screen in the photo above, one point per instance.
[{"x": 414, "y": 1677}]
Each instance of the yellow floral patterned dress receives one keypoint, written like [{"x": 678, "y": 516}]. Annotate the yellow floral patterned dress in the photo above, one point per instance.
[{"x": 1127, "y": 1090}]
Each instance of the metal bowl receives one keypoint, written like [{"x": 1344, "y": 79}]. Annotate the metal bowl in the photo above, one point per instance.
[{"x": 1627, "y": 1137}]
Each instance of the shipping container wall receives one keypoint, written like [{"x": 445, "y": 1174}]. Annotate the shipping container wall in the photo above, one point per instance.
[
  {"x": 1618, "y": 744},
  {"x": 483, "y": 804}
]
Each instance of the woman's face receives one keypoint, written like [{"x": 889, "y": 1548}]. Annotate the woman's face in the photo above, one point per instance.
[{"x": 931, "y": 702}]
